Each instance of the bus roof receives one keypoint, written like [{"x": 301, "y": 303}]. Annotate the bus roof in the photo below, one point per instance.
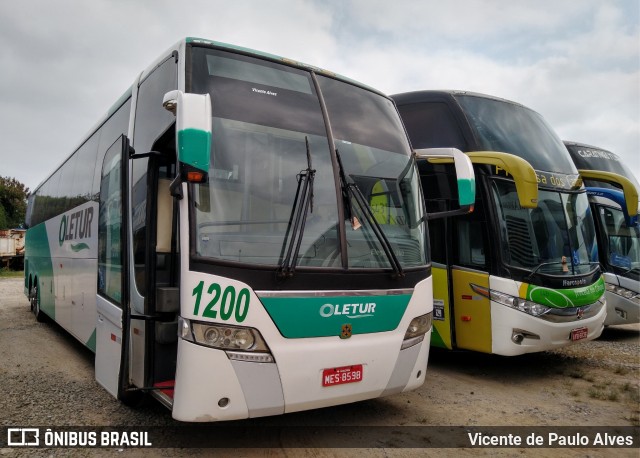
[
  {"x": 427, "y": 95},
  {"x": 279, "y": 59},
  {"x": 199, "y": 41},
  {"x": 595, "y": 158}
]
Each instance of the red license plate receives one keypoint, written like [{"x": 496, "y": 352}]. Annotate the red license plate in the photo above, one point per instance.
[
  {"x": 340, "y": 375},
  {"x": 579, "y": 334}
]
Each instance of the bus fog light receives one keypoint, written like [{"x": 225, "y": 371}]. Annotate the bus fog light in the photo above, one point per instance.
[{"x": 518, "y": 336}]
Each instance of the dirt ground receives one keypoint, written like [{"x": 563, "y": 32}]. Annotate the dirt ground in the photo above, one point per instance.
[{"x": 47, "y": 379}]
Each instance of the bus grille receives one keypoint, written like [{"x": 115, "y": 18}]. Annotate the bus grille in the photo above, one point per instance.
[{"x": 520, "y": 241}]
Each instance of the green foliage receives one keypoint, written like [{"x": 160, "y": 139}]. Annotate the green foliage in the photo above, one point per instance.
[
  {"x": 13, "y": 203},
  {"x": 6, "y": 272},
  {"x": 3, "y": 218}
]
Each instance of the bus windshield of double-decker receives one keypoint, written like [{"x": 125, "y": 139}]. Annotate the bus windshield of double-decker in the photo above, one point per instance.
[
  {"x": 512, "y": 128},
  {"x": 621, "y": 242},
  {"x": 557, "y": 237},
  {"x": 268, "y": 132}
]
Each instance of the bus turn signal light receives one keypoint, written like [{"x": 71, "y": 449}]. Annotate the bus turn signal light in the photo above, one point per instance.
[{"x": 195, "y": 177}]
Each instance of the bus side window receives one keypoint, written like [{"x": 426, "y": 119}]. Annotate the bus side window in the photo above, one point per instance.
[
  {"x": 432, "y": 125},
  {"x": 471, "y": 249},
  {"x": 470, "y": 246},
  {"x": 151, "y": 122}
]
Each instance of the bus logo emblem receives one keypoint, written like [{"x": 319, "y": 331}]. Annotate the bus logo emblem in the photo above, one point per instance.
[
  {"x": 580, "y": 313},
  {"x": 346, "y": 331}
]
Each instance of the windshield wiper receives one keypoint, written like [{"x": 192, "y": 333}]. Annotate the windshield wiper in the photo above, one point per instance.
[
  {"x": 349, "y": 187},
  {"x": 302, "y": 206},
  {"x": 534, "y": 271}
]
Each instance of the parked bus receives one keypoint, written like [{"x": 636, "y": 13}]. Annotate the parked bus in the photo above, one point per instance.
[
  {"x": 242, "y": 235},
  {"x": 613, "y": 194},
  {"x": 520, "y": 274}
]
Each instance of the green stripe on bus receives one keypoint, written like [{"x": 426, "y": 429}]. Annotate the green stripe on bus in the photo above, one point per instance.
[
  {"x": 299, "y": 317},
  {"x": 91, "y": 343},
  {"x": 566, "y": 298},
  {"x": 79, "y": 247},
  {"x": 39, "y": 260}
]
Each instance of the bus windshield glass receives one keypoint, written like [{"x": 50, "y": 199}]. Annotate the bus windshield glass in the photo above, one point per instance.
[
  {"x": 264, "y": 115},
  {"x": 511, "y": 128},
  {"x": 621, "y": 241},
  {"x": 556, "y": 238}
]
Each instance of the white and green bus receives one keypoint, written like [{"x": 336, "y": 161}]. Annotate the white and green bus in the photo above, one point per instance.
[
  {"x": 520, "y": 274},
  {"x": 613, "y": 195},
  {"x": 242, "y": 235}
]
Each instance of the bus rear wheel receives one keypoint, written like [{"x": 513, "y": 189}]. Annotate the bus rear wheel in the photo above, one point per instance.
[{"x": 35, "y": 304}]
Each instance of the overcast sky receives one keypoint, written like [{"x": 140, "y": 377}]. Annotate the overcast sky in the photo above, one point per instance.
[{"x": 64, "y": 62}]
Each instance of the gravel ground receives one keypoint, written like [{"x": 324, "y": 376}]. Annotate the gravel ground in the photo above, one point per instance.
[{"x": 48, "y": 380}]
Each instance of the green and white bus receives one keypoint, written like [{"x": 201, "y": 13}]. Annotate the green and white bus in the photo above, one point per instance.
[
  {"x": 613, "y": 195},
  {"x": 242, "y": 235},
  {"x": 520, "y": 274}
]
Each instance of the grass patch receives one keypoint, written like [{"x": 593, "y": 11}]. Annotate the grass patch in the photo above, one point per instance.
[
  {"x": 603, "y": 392},
  {"x": 8, "y": 273},
  {"x": 621, "y": 370},
  {"x": 632, "y": 391},
  {"x": 575, "y": 372},
  {"x": 634, "y": 418}
]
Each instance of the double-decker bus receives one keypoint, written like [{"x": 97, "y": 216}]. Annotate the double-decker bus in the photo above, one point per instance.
[
  {"x": 520, "y": 273},
  {"x": 613, "y": 195},
  {"x": 241, "y": 235}
]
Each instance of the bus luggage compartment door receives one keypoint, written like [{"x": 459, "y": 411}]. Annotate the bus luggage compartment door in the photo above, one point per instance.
[{"x": 108, "y": 345}]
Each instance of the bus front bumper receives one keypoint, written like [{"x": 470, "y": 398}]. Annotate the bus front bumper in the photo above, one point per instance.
[
  {"x": 211, "y": 387},
  {"x": 516, "y": 333}
]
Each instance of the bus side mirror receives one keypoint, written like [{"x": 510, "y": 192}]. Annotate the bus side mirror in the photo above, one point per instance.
[
  {"x": 628, "y": 188},
  {"x": 522, "y": 172},
  {"x": 465, "y": 177},
  {"x": 193, "y": 134}
]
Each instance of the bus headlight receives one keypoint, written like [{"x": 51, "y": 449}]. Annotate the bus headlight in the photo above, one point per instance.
[
  {"x": 528, "y": 307},
  {"x": 416, "y": 330},
  {"x": 239, "y": 342},
  {"x": 624, "y": 292}
]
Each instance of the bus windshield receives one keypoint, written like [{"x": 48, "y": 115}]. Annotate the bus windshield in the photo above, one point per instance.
[
  {"x": 558, "y": 237},
  {"x": 511, "y": 128},
  {"x": 622, "y": 243},
  {"x": 264, "y": 116}
]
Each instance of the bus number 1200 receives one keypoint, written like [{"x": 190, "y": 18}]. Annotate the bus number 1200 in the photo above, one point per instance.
[{"x": 231, "y": 304}]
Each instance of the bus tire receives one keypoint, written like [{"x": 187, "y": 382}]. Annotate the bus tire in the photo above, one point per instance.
[
  {"x": 35, "y": 304},
  {"x": 133, "y": 399}
]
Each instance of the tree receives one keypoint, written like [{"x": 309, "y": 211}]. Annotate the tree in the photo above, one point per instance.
[{"x": 13, "y": 203}]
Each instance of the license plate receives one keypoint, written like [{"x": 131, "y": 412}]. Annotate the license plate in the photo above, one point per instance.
[
  {"x": 341, "y": 375},
  {"x": 579, "y": 334}
]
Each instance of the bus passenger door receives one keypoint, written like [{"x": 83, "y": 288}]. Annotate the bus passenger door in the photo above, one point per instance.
[
  {"x": 112, "y": 299},
  {"x": 471, "y": 311}
]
